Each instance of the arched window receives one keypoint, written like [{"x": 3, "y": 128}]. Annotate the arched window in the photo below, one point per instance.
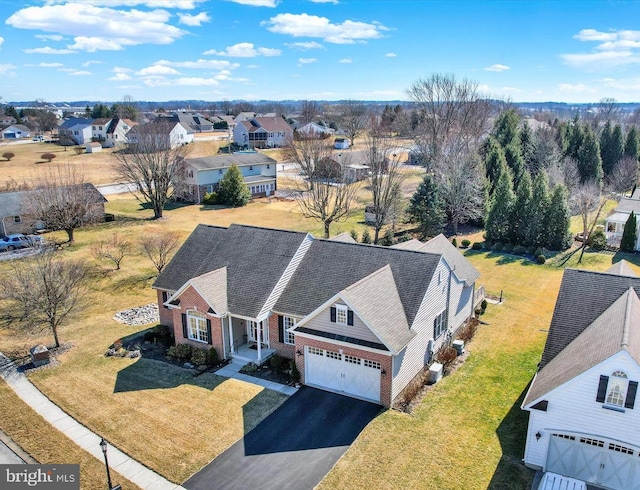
[{"x": 617, "y": 389}]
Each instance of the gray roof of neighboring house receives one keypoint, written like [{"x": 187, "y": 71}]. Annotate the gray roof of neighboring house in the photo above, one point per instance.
[
  {"x": 343, "y": 237},
  {"x": 255, "y": 259},
  {"x": 11, "y": 202},
  {"x": 616, "y": 329},
  {"x": 75, "y": 121},
  {"x": 20, "y": 127},
  {"x": 225, "y": 161},
  {"x": 627, "y": 204},
  {"x": 330, "y": 266},
  {"x": 621, "y": 268},
  {"x": 583, "y": 297},
  {"x": 462, "y": 268}
]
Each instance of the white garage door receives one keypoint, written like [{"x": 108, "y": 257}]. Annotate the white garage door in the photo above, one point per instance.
[
  {"x": 595, "y": 460},
  {"x": 341, "y": 373}
]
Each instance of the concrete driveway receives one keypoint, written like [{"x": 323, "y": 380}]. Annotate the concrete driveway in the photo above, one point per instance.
[{"x": 294, "y": 447}]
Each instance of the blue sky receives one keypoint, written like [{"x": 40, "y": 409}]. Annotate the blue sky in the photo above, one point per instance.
[{"x": 569, "y": 51}]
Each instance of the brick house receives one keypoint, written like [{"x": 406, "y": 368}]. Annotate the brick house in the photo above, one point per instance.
[{"x": 359, "y": 320}]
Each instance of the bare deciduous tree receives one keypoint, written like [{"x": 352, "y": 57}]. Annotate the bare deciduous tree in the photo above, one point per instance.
[
  {"x": 308, "y": 151},
  {"x": 62, "y": 200},
  {"x": 115, "y": 249},
  {"x": 153, "y": 163},
  {"x": 448, "y": 109},
  {"x": 588, "y": 201},
  {"x": 624, "y": 175},
  {"x": 44, "y": 290},
  {"x": 353, "y": 119},
  {"x": 309, "y": 110},
  {"x": 158, "y": 246},
  {"x": 383, "y": 159}
]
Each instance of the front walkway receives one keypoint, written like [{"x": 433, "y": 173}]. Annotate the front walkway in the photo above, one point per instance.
[
  {"x": 232, "y": 370},
  {"x": 78, "y": 433}
]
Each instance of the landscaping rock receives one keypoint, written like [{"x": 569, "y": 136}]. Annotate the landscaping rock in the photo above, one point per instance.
[{"x": 141, "y": 315}]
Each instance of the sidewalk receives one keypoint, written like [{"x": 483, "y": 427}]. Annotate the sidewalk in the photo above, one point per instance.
[
  {"x": 232, "y": 370},
  {"x": 83, "y": 437}
]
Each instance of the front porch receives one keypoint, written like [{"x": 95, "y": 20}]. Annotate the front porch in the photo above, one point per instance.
[
  {"x": 248, "y": 341},
  {"x": 249, "y": 353}
]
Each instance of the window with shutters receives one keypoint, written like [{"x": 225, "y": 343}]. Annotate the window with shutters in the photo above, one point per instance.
[
  {"x": 287, "y": 323},
  {"x": 341, "y": 314},
  {"x": 197, "y": 326},
  {"x": 617, "y": 389}
]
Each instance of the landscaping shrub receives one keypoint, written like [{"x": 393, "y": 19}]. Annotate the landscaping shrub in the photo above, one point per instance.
[
  {"x": 405, "y": 237},
  {"x": 538, "y": 251},
  {"x": 497, "y": 247},
  {"x": 483, "y": 305},
  {"x": 295, "y": 374},
  {"x": 476, "y": 246},
  {"x": 409, "y": 392},
  {"x": 211, "y": 198},
  {"x": 487, "y": 245},
  {"x": 180, "y": 352},
  {"x": 465, "y": 243},
  {"x": 199, "y": 357},
  {"x": 387, "y": 238},
  {"x": 277, "y": 361},
  {"x": 212, "y": 357},
  {"x": 508, "y": 248},
  {"x": 597, "y": 240},
  {"x": 366, "y": 236},
  {"x": 47, "y": 156},
  {"x": 531, "y": 250},
  {"x": 446, "y": 356},
  {"x": 7, "y": 155},
  {"x": 454, "y": 242},
  {"x": 354, "y": 235},
  {"x": 519, "y": 250},
  {"x": 541, "y": 259},
  {"x": 467, "y": 332}
]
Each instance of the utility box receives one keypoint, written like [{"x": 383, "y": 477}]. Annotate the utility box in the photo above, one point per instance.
[
  {"x": 435, "y": 373},
  {"x": 39, "y": 355},
  {"x": 458, "y": 345}
]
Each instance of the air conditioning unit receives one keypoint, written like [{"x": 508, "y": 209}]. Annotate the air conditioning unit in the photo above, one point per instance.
[
  {"x": 458, "y": 345},
  {"x": 435, "y": 373}
]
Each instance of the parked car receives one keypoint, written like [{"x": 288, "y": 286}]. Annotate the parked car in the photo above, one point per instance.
[
  {"x": 553, "y": 481},
  {"x": 38, "y": 137},
  {"x": 18, "y": 240}
]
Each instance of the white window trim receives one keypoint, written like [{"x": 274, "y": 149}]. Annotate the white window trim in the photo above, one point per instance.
[
  {"x": 441, "y": 320},
  {"x": 617, "y": 390},
  {"x": 197, "y": 327},
  {"x": 287, "y": 323},
  {"x": 342, "y": 310}
]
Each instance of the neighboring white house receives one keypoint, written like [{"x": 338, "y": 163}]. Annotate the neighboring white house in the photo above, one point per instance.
[
  {"x": 76, "y": 129},
  {"x": 203, "y": 175},
  {"x": 614, "y": 226},
  {"x": 341, "y": 143},
  {"x": 583, "y": 409},
  {"x": 99, "y": 128},
  {"x": 116, "y": 133},
  {"x": 15, "y": 132},
  {"x": 175, "y": 133},
  {"x": 315, "y": 129},
  {"x": 262, "y": 132}
]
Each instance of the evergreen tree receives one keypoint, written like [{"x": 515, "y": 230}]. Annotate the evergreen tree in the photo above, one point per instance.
[
  {"x": 526, "y": 143},
  {"x": 611, "y": 147},
  {"x": 558, "y": 219},
  {"x": 536, "y": 232},
  {"x": 521, "y": 211},
  {"x": 629, "y": 235},
  {"x": 498, "y": 223},
  {"x": 505, "y": 129},
  {"x": 589, "y": 161},
  {"x": 574, "y": 137},
  {"x": 632, "y": 144},
  {"x": 426, "y": 208},
  {"x": 100, "y": 111},
  {"x": 11, "y": 111},
  {"x": 494, "y": 161},
  {"x": 515, "y": 162},
  {"x": 233, "y": 191}
]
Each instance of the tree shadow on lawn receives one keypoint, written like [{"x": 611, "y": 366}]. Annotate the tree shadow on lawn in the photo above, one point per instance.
[
  {"x": 149, "y": 374},
  {"x": 511, "y": 474}
]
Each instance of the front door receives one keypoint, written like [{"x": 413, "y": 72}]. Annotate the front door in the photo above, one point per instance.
[{"x": 252, "y": 331}]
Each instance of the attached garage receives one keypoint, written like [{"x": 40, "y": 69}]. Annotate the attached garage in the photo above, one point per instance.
[
  {"x": 597, "y": 460},
  {"x": 334, "y": 371}
]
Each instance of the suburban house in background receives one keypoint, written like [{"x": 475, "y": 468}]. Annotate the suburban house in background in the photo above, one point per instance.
[
  {"x": 14, "y": 213},
  {"x": 7, "y": 120},
  {"x": 175, "y": 133},
  {"x": 75, "y": 130},
  {"x": 262, "y": 132},
  {"x": 614, "y": 225},
  {"x": 341, "y": 143},
  {"x": 360, "y": 320},
  {"x": 582, "y": 402},
  {"x": 203, "y": 175},
  {"x": 15, "y": 132},
  {"x": 110, "y": 132},
  {"x": 315, "y": 129},
  {"x": 194, "y": 121}
]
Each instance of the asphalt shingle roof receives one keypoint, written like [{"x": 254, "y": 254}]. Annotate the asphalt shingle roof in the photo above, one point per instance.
[{"x": 224, "y": 161}]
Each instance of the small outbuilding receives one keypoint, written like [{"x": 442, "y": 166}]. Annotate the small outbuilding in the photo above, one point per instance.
[{"x": 93, "y": 147}]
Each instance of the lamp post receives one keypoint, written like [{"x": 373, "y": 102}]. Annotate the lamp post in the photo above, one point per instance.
[{"x": 103, "y": 445}]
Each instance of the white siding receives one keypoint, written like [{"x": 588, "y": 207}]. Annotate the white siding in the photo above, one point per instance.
[
  {"x": 573, "y": 408},
  {"x": 286, "y": 276},
  {"x": 460, "y": 303},
  {"x": 414, "y": 357},
  {"x": 322, "y": 322}
]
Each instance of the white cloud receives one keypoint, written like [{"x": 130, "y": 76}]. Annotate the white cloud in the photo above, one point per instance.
[
  {"x": 306, "y": 61},
  {"x": 615, "y": 48},
  {"x": 194, "y": 20},
  {"x": 497, "y": 67},
  {"x": 624, "y": 84},
  {"x": 578, "y": 88},
  {"x": 98, "y": 28},
  {"x": 47, "y": 65},
  {"x": 257, "y": 3},
  {"x": 169, "y": 4},
  {"x": 185, "y": 82},
  {"x": 48, "y": 50},
  {"x": 346, "y": 60},
  {"x": 244, "y": 50},
  {"x": 200, "y": 64},
  {"x": 49, "y": 37},
  {"x": 155, "y": 70},
  {"x": 1, "y": 40},
  {"x": 305, "y": 45},
  {"x": 6, "y": 69},
  {"x": 120, "y": 69},
  {"x": 299, "y": 25},
  {"x": 119, "y": 77},
  {"x": 79, "y": 73},
  {"x": 252, "y": 67},
  {"x": 391, "y": 55},
  {"x": 92, "y": 62}
]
